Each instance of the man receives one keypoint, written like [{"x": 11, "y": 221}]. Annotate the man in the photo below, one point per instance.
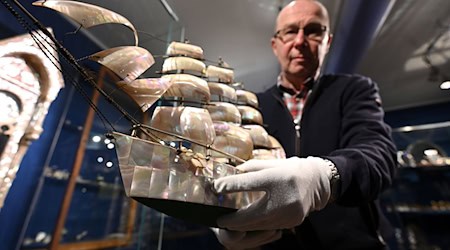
[{"x": 326, "y": 199}]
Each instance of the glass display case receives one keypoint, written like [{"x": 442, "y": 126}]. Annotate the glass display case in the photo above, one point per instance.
[
  {"x": 82, "y": 204},
  {"x": 80, "y": 201},
  {"x": 423, "y": 145},
  {"x": 418, "y": 203}
]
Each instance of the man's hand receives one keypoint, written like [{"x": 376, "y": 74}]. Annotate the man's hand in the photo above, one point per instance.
[{"x": 294, "y": 187}]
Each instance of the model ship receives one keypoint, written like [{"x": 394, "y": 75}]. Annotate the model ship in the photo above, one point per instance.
[{"x": 203, "y": 125}]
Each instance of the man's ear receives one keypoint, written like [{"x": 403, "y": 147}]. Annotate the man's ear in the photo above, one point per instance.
[
  {"x": 274, "y": 46},
  {"x": 330, "y": 39}
]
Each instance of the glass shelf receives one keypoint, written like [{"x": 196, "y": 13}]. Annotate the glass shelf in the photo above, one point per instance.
[{"x": 425, "y": 145}]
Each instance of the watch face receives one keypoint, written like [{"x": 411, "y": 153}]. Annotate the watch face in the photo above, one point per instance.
[{"x": 9, "y": 107}]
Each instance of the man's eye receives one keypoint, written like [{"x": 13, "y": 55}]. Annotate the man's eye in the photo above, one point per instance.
[
  {"x": 291, "y": 31},
  {"x": 313, "y": 30}
]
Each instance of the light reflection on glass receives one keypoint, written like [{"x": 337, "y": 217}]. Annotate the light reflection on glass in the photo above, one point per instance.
[{"x": 96, "y": 138}]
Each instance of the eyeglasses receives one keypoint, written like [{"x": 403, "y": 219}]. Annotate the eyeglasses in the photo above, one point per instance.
[{"x": 312, "y": 31}]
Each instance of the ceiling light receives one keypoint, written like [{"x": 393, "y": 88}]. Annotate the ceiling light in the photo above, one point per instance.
[
  {"x": 445, "y": 84},
  {"x": 407, "y": 128}
]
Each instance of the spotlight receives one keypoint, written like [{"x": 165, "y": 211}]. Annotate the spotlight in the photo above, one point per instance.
[
  {"x": 96, "y": 138},
  {"x": 445, "y": 84}
]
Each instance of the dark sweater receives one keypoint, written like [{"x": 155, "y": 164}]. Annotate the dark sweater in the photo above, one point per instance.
[{"x": 342, "y": 121}]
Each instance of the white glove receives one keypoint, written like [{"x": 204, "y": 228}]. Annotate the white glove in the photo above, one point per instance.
[
  {"x": 244, "y": 240},
  {"x": 294, "y": 187}
]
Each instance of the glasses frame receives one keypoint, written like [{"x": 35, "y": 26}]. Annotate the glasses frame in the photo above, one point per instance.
[{"x": 278, "y": 34}]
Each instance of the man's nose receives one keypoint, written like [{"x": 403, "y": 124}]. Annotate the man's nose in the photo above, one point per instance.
[{"x": 299, "y": 38}]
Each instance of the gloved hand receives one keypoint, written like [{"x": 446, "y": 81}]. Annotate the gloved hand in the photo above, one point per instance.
[
  {"x": 294, "y": 187},
  {"x": 244, "y": 240}
]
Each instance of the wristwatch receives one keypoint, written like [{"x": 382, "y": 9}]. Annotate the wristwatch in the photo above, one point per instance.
[{"x": 335, "y": 180}]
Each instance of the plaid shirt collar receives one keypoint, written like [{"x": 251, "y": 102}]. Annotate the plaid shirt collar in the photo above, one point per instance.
[
  {"x": 292, "y": 92},
  {"x": 295, "y": 100}
]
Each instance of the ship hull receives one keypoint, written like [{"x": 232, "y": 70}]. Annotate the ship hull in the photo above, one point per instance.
[{"x": 160, "y": 177}]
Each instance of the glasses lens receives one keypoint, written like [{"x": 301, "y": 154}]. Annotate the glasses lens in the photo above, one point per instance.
[
  {"x": 314, "y": 30},
  {"x": 288, "y": 34},
  {"x": 310, "y": 31}
]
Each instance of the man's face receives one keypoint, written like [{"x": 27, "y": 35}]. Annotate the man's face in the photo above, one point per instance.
[{"x": 302, "y": 39}]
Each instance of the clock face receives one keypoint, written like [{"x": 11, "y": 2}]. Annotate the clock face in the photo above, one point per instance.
[{"x": 9, "y": 107}]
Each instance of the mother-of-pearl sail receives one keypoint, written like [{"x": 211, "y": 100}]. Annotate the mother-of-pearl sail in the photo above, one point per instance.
[{"x": 87, "y": 15}]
